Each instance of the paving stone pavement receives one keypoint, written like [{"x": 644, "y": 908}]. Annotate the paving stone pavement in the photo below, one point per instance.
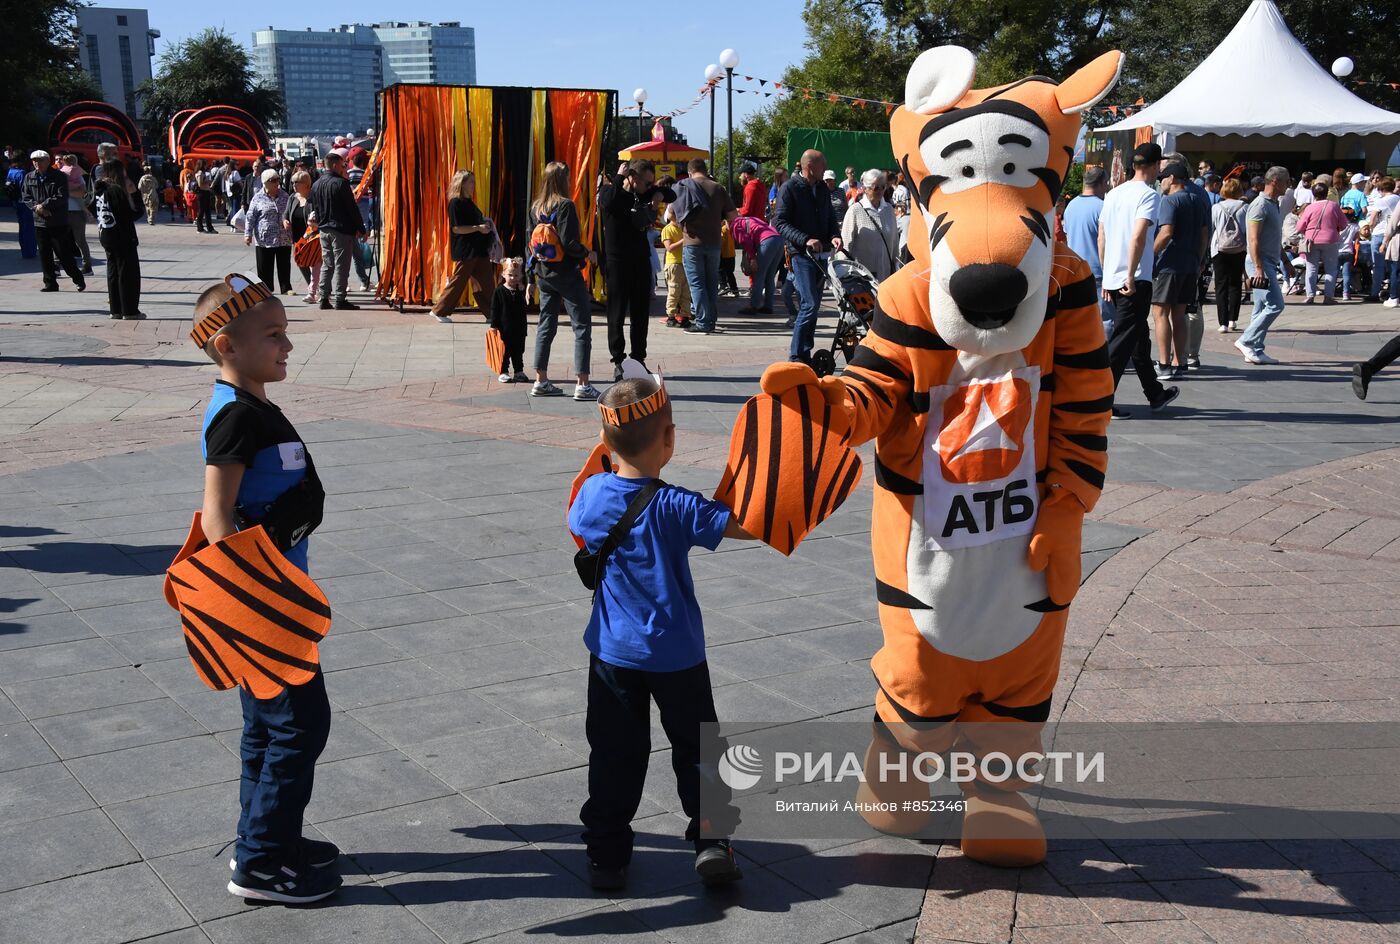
[{"x": 1244, "y": 564}]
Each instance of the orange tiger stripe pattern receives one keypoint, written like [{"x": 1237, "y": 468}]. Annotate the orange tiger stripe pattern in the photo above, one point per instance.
[
  {"x": 250, "y": 294},
  {"x": 599, "y": 460},
  {"x": 495, "y": 351},
  {"x": 250, "y": 617},
  {"x": 789, "y": 466},
  {"x": 628, "y": 412}
]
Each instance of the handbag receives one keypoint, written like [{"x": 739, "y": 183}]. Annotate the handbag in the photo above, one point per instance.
[
  {"x": 307, "y": 251},
  {"x": 590, "y": 566},
  {"x": 495, "y": 351}
]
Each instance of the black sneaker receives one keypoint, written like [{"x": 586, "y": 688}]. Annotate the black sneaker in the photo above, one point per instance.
[
  {"x": 49, "y": 288},
  {"x": 139, "y": 316},
  {"x": 1360, "y": 381},
  {"x": 716, "y": 864},
  {"x": 314, "y": 852},
  {"x": 326, "y": 304},
  {"x": 116, "y": 316},
  {"x": 617, "y": 374},
  {"x": 693, "y": 328},
  {"x": 344, "y": 305},
  {"x": 1121, "y": 414},
  {"x": 1168, "y": 395},
  {"x": 289, "y": 885},
  {"x": 606, "y": 880}
]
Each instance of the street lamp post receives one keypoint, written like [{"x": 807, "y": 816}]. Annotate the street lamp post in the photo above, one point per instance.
[
  {"x": 712, "y": 74},
  {"x": 729, "y": 59},
  {"x": 640, "y": 97}
]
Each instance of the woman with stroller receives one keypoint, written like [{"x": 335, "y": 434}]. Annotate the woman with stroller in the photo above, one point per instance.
[{"x": 869, "y": 229}]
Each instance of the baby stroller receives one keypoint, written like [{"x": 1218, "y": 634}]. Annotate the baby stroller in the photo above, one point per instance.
[{"x": 856, "y": 291}]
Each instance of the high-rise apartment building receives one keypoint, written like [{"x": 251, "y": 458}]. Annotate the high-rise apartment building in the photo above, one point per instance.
[
  {"x": 328, "y": 78},
  {"x": 115, "y": 46}
]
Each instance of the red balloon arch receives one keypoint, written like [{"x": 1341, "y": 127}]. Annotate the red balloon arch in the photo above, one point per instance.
[{"x": 215, "y": 132}]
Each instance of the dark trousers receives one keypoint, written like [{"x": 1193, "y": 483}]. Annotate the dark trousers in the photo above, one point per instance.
[
  {"x": 123, "y": 278},
  {"x": 619, "y": 745},
  {"x": 205, "y": 220},
  {"x": 1130, "y": 340},
  {"x": 1384, "y": 357},
  {"x": 726, "y": 274},
  {"x": 1229, "y": 285},
  {"x": 57, "y": 241},
  {"x": 282, "y": 737},
  {"x": 274, "y": 257},
  {"x": 630, "y": 283}
]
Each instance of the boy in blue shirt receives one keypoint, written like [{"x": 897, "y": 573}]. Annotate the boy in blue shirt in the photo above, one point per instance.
[
  {"x": 255, "y": 467},
  {"x": 645, "y": 635}
]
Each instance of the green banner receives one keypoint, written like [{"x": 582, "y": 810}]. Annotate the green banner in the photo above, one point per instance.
[{"x": 859, "y": 149}]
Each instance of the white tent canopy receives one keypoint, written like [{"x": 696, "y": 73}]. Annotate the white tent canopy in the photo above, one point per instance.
[{"x": 1260, "y": 80}]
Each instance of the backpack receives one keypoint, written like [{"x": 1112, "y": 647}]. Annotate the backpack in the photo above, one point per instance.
[
  {"x": 545, "y": 245},
  {"x": 1231, "y": 236}
]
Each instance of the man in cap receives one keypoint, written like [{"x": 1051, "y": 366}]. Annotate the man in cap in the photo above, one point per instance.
[
  {"x": 754, "y": 201},
  {"x": 1125, "y": 256},
  {"x": 1182, "y": 229},
  {"x": 45, "y": 192},
  {"x": 835, "y": 195},
  {"x": 1355, "y": 196}
]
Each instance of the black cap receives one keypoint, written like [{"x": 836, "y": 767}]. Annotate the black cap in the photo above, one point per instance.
[
  {"x": 1148, "y": 153},
  {"x": 1174, "y": 169},
  {"x": 1256, "y": 182}
]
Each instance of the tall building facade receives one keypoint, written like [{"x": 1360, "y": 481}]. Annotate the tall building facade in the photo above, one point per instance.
[
  {"x": 116, "y": 46},
  {"x": 329, "y": 78}
]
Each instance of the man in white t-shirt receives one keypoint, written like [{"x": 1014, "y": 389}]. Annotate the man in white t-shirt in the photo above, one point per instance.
[
  {"x": 1302, "y": 194},
  {"x": 1125, "y": 252},
  {"x": 1380, "y": 214}
]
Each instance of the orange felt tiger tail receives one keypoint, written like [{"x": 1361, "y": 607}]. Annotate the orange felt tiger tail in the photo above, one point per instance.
[{"x": 250, "y": 617}]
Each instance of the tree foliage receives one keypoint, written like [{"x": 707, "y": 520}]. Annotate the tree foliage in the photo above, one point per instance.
[
  {"x": 39, "y": 68},
  {"x": 209, "y": 68},
  {"x": 864, "y": 48}
]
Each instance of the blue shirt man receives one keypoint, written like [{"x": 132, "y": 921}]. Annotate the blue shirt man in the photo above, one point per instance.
[{"x": 1081, "y": 224}]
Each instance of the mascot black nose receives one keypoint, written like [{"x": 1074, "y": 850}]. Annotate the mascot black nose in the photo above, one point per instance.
[{"x": 987, "y": 293}]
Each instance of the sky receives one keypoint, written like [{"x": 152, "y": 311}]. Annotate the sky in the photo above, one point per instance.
[{"x": 561, "y": 44}]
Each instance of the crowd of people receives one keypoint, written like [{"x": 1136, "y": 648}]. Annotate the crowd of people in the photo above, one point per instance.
[{"x": 1157, "y": 240}]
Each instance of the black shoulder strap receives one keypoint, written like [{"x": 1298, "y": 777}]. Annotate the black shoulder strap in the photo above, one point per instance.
[{"x": 619, "y": 531}]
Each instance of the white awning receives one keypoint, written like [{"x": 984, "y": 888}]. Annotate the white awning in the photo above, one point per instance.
[{"x": 1260, "y": 80}]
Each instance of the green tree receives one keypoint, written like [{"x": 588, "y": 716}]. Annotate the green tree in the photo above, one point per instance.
[
  {"x": 209, "y": 68},
  {"x": 39, "y": 68},
  {"x": 864, "y": 48}
]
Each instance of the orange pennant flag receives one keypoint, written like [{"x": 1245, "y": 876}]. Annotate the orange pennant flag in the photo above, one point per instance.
[
  {"x": 1113, "y": 109},
  {"x": 1139, "y": 102},
  {"x": 889, "y": 107}
]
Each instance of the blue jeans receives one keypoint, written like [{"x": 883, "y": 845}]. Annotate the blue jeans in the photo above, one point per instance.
[
  {"x": 565, "y": 289},
  {"x": 789, "y": 293},
  {"x": 701, "y": 265},
  {"x": 1107, "y": 312},
  {"x": 770, "y": 256},
  {"x": 1268, "y": 305},
  {"x": 282, "y": 738},
  {"x": 1393, "y": 267},
  {"x": 807, "y": 275}
]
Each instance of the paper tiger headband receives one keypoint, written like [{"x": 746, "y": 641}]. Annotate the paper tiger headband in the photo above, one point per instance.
[
  {"x": 246, "y": 294},
  {"x": 629, "y": 412}
]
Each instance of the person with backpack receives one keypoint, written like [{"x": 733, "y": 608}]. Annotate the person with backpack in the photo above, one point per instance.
[
  {"x": 1227, "y": 251},
  {"x": 471, "y": 250},
  {"x": 558, "y": 257}
]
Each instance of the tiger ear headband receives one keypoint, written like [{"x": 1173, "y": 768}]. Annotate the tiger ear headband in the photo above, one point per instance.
[
  {"x": 246, "y": 293},
  {"x": 629, "y": 412}
]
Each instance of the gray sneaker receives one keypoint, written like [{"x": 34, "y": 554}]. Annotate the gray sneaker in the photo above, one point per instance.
[
  {"x": 585, "y": 392},
  {"x": 543, "y": 388}
]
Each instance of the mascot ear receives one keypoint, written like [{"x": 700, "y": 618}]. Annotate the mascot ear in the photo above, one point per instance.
[
  {"x": 1090, "y": 84},
  {"x": 939, "y": 79}
]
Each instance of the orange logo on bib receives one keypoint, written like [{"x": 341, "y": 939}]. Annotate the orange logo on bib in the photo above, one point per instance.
[{"x": 984, "y": 430}]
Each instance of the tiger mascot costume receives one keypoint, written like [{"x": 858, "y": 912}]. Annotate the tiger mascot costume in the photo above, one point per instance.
[{"x": 985, "y": 384}]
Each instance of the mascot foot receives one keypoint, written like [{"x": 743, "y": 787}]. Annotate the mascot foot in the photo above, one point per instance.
[
  {"x": 881, "y": 803},
  {"x": 1001, "y": 829}
]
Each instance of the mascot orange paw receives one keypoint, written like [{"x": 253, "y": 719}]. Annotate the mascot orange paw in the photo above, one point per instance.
[
  {"x": 1055, "y": 543},
  {"x": 875, "y": 795},
  {"x": 790, "y": 465},
  {"x": 1001, "y": 829}
]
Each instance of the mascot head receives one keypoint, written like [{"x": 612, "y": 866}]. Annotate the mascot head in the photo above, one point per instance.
[{"x": 985, "y": 167}]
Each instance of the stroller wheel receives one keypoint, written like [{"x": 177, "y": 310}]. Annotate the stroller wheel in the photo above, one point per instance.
[{"x": 824, "y": 363}]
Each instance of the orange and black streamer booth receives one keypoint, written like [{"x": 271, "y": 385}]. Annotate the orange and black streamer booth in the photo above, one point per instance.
[{"x": 505, "y": 136}]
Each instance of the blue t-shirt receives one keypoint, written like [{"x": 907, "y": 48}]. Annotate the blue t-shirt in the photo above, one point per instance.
[
  {"x": 1081, "y": 225},
  {"x": 240, "y": 428},
  {"x": 1357, "y": 201},
  {"x": 645, "y": 615}
]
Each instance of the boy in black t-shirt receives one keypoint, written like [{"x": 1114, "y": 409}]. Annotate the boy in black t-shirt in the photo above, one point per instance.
[{"x": 257, "y": 471}]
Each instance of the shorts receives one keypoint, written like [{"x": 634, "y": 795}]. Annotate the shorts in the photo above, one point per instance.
[{"x": 1174, "y": 288}]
